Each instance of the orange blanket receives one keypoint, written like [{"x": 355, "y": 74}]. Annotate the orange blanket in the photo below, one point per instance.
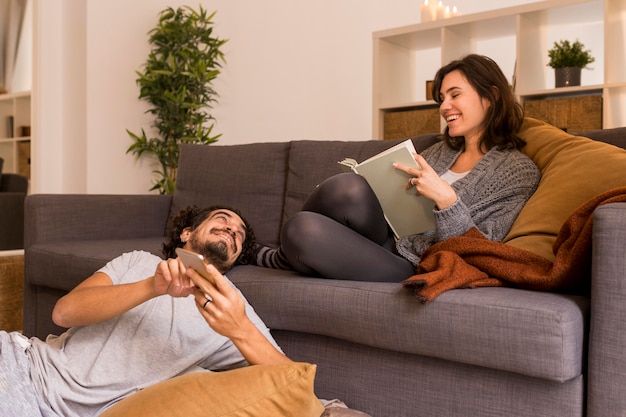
[{"x": 472, "y": 260}]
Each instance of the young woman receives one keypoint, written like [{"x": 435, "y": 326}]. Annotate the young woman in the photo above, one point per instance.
[{"x": 476, "y": 176}]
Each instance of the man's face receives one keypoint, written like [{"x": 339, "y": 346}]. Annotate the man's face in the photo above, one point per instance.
[{"x": 219, "y": 238}]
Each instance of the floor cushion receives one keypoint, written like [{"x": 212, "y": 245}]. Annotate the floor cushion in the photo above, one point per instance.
[{"x": 261, "y": 390}]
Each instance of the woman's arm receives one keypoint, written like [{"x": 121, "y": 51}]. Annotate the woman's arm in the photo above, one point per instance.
[{"x": 491, "y": 202}]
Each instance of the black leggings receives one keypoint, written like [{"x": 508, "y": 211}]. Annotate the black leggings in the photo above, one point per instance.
[{"x": 341, "y": 233}]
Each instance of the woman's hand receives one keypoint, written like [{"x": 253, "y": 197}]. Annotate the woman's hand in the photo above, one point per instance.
[{"x": 428, "y": 184}]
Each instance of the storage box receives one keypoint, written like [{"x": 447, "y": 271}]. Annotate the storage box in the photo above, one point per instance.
[
  {"x": 23, "y": 158},
  {"x": 11, "y": 292},
  {"x": 572, "y": 114},
  {"x": 402, "y": 124}
]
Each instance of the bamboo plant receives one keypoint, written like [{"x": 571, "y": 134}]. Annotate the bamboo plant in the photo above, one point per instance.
[{"x": 176, "y": 81}]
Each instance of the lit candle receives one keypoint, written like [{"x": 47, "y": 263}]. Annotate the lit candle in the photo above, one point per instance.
[
  {"x": 433, "y": 9},
  {"x": 446, "y": 13},
  {"x": 427, "y": 14},
  {"x": 455, "y": 12},
  {"x": 440, "y": 10}
]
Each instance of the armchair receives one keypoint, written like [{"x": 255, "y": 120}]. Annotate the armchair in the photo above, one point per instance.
[{"x": 13, "y": 189}]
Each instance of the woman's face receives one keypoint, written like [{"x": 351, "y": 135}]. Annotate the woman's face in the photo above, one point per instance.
[{"x": 462, "y": 108}]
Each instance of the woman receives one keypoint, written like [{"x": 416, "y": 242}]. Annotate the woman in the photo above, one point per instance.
[{"x": 476, "y": 176}]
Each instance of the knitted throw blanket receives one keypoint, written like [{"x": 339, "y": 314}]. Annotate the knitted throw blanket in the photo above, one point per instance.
[{"x": 472, "y": 260}]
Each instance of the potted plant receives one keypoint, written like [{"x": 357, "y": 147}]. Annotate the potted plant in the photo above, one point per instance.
[
  {"x": 176, "y": 81},
  {"x": 568, "y": 59}
]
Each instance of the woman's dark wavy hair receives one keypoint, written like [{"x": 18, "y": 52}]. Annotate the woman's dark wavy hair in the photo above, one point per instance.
[
  {"x": 192, "y": 217},
  {"x": 505, "y": 115}
]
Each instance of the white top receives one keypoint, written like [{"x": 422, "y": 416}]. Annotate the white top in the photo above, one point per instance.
[{"x": 451, "y": 176}]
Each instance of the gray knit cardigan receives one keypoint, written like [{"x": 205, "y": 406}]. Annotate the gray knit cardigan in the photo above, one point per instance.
[{"x": 490, "y": 197}]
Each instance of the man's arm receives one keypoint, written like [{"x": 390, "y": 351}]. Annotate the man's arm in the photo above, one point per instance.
[
  {"x": 226, "y": 314},
  {"x": 96, "y": 299}
]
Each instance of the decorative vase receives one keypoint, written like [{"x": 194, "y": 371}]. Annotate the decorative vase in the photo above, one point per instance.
[{"x": 567, "y": 76}]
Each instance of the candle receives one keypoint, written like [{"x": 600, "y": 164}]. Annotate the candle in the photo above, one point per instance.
[
  {"x": 427, "y": 15},
  {"x": 433, "y": 9},
  {"x": 440, "y": 10},
  {"x": 446, "y": 13},
  {"x": 455, "y": 12}
]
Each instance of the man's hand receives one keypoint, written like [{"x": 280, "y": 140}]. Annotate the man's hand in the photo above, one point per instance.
[
  {"x": 224, "y": 309},
  {"x": 221, "y": 305},
  {"x": 170, "y": 278}
]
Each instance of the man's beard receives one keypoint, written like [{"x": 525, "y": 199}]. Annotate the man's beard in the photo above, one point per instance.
[{"x": 215, "y": 253}]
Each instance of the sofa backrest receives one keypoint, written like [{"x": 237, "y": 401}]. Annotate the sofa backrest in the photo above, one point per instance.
[
  {"x": 250, "y": 178},
  {"x": 615, "y": 136},
  {"x": 310, "y": 162},
  {"x": 267, "y": 182}
]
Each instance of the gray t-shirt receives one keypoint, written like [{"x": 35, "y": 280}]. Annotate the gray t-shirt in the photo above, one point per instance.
[{"x": 87, "y": 369}]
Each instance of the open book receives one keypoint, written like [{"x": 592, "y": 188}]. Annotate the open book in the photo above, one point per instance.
[{"x": 406, "y": 213}]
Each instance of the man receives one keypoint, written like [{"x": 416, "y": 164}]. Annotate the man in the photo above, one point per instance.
[{"x": 140, "y": 320}]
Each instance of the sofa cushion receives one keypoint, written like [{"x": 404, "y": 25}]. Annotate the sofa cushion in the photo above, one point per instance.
[
  {"x": 255, "y": 182},
  {"x": 310, "y": 163},
  {"x": 63, "y": 265},
  {"x": 574, "y": 169},
  {"x": 532, "y": 333},
  {"x": 262, "y": 390}
]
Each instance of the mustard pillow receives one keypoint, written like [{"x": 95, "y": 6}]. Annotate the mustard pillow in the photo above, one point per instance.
[
  {"x": 261, "y": 390},
  {"x": 574, "y": 169}
]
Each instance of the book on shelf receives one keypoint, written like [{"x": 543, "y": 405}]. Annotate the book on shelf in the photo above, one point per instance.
[{"x": 406, "y": 213}]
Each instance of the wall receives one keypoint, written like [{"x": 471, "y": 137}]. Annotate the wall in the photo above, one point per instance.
[{"x": 295, "y": 70}]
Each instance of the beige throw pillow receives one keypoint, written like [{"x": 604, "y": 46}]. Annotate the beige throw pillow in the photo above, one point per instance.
[{"x": 253, "y": 391}]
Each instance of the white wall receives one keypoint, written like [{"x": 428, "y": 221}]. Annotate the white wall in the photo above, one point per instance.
[{"x": 295, "y": 70}]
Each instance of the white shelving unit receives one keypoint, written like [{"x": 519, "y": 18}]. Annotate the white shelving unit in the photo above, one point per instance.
[
  {"x": 518, "y": 38},
  {"x": 15, "y": 123}
]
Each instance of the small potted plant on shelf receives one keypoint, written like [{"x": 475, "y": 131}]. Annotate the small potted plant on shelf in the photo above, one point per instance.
[{"x": 568, "y": 59}]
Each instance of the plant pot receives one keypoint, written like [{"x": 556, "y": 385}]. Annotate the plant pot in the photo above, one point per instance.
[{"x": 567, "y": 76}]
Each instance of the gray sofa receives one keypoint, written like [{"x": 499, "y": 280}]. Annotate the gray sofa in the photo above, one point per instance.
[{"x": 470, "y": 352}]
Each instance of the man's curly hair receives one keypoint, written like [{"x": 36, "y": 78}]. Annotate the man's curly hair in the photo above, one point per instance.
[{"x": 192, "y": 217}]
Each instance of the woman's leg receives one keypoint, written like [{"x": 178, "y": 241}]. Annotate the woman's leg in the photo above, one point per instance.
[
  {"x": 348, "y": 199},
  {"x": 317, "y": 245}
]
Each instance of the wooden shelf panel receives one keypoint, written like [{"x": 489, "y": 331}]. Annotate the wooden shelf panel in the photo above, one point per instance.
[{"x": 518, "y": 38}]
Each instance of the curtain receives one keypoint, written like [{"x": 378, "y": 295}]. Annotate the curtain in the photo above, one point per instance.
[{"x": 11, "y": 17}]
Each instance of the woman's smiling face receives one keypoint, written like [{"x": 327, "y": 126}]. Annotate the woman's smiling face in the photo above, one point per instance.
[{"x": 463, "y": 109}]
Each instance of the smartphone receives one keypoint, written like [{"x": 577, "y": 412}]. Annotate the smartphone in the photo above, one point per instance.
[{"x": 195, "y": 261}]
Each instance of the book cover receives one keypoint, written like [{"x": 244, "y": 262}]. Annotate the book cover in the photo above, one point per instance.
[{"x": 406, "y": 213}]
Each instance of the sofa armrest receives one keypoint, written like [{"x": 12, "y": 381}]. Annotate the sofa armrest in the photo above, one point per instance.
[
  {"x": 68, "y": 237},
  {"x": 67, "y": 217},
  {"x": 606, "y": 384},
  {"x": 12, "y": 220}
]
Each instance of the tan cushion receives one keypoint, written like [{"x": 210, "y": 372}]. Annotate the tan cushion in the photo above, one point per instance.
[
  {"x": 574, "y": 169},
  {"x": 262, "y": 390}
]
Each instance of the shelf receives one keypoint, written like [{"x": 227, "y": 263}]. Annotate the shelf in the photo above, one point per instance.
[
  {"x": 15, "y": 134},
  {"x": 518, "y": 39}
]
